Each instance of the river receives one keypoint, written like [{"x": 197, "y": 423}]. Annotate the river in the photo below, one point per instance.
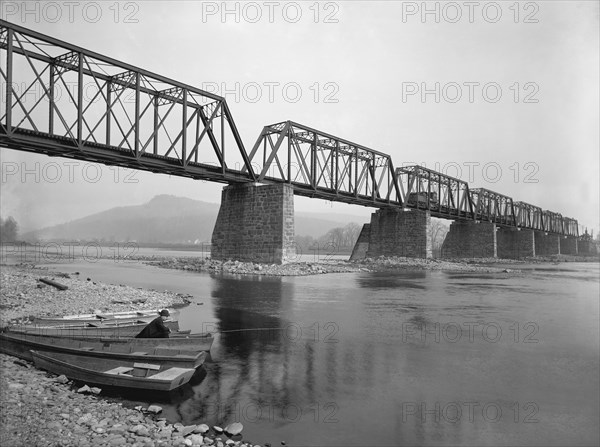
[{"x": 405, "y": 358}]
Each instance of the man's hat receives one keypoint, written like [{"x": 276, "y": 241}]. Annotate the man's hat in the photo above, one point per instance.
[{"x": 164, "y": 313}]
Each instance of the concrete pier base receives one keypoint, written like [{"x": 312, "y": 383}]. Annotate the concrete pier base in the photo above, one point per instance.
[
  {"x": 255, "y": 223},
  {"x": 470, "y": 240}
]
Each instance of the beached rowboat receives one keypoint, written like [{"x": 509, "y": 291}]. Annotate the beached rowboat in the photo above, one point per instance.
[
  {"x": 108, "y": 372},
  {"x": 122, "y": 317},
  {"x": 109, "y": 329},
  {"x": 179, "y": 340},
  {"x": 20, "y": 345}
]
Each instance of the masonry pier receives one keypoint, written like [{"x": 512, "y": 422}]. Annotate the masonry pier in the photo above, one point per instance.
[
  {"x": 361, "y": 247},
  {"x": 255, "y": 223},
  {"x": 568, "y": 245},
  {"x": 395, "y": 232},
  {"x": 547, "y": 244},
  {"x": 515, "y": 243},
  {"x": 467, "y": 239}
]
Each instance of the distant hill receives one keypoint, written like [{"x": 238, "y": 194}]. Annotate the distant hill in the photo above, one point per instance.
[{"x": 169, "y": 219}]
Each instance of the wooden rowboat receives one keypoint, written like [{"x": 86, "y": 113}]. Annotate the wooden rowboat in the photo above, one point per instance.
[
  {"x": 20, "y": 345},
  {"x": 182, "y": 340},
  {"x": 108, "y": 372},
  {"x": 121, "y": 317},
  {"x": 109, "y": 329}
]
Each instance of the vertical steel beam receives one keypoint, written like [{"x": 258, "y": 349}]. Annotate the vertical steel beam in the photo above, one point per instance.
[
  {"x": 337, "y": 166},
  {"x": 356, "y": 171},
  {"x": 156, "y": 127},
  {"x": 108, "y": 110},
  {"x": 80, "y": 99},
  {"x": 51, "y": 100},
  {"x": 197, "y": 145},
  {"x": 184, "y": 129},
  {"x": 222, "y": 140},
  {"x": 313, "y": 161},
  {"x": 136, "y": 132},
  {"x": 9, "y": 73},
  {"x": 374, "y": 183},
  {"x": 289, "y": 154}
]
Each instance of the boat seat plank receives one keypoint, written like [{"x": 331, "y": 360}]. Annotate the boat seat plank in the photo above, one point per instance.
[
  {"x": 139, "y": 353},
  {"x": 119, "y": 370},
  {"x": 146, "y": 366},
  {"x": 170, "y": 374},
  {"x": 164, "y": 351},
  {"x": 87, "y": 348},
  {"x": 121, "y": 348}
]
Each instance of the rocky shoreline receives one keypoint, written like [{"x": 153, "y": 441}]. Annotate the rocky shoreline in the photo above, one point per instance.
[
  {"x": 23, "y": 295},
  {"x": 40, "y": 409},
  {"x": 315, "y": 268}
]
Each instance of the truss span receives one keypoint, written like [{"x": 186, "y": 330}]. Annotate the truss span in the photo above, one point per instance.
[
  {"x": 63, "y": 100},
  {"x": 318, "y": 164}
]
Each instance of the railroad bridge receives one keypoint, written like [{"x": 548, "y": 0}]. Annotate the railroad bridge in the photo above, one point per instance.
[{"x": 64, "y": 100}]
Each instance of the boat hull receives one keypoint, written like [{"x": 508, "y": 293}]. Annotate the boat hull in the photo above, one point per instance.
[
  {"x": 181, "y": 341},
  {"x": 91, "y": 330},
  {"x": 97, "y": 373},
  {"x": 20, "y": 345},
  {"x": 106, "y": 317}
]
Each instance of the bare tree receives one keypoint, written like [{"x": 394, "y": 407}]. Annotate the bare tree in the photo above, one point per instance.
[
  {"x": 438, "y": 231},
  {"x": 351, "y": 232}
]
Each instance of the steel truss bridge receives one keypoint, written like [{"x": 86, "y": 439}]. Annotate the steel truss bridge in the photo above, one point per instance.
[{"x": 63, "y": 100}]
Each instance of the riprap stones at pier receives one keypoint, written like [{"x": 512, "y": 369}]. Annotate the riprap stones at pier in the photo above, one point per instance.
[{"x": 313, "y": 268}]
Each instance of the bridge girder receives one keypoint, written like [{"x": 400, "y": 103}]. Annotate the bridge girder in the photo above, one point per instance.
[{"x": 72, "y": 102}]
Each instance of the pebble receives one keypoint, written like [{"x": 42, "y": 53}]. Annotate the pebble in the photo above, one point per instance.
[
  {"x": 202, "y": 428},
  {"x": 154, "y": 409},
  {"x": 187, "y": 430},
  {"x": 234, "y": 429},
  {"x": 197, "y": 439}
]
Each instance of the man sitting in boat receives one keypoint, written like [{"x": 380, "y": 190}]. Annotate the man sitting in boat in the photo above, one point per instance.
[{"x": 156, "y": 328}]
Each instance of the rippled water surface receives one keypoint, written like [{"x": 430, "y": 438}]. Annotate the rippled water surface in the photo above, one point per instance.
[{"x": 410, "y": 358}]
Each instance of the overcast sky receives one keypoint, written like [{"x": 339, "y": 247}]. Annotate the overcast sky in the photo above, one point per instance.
[{"x": 524, "y": 122}]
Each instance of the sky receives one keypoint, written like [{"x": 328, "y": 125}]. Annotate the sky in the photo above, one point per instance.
[{"x": 504, "y": 95}]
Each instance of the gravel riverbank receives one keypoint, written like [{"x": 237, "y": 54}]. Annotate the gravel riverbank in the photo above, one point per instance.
[
  {"x": 314, "y": 268},
  {"x": 40, "y": 409},
  {"x": 23, "y": 295}
]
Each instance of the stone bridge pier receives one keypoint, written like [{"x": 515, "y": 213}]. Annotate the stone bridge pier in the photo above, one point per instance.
[
  {"x": 547, "y": 243},
  {"x": 569, "y": 245},
  {"x": 515, "y": 243},
  {"x": 395, "y": 232},
  {"x": 255, "y": 223},
  {"x": 468, "y": 239}
]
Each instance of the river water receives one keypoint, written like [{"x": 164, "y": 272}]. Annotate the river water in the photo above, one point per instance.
[{"x": 408, "y": 358}]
